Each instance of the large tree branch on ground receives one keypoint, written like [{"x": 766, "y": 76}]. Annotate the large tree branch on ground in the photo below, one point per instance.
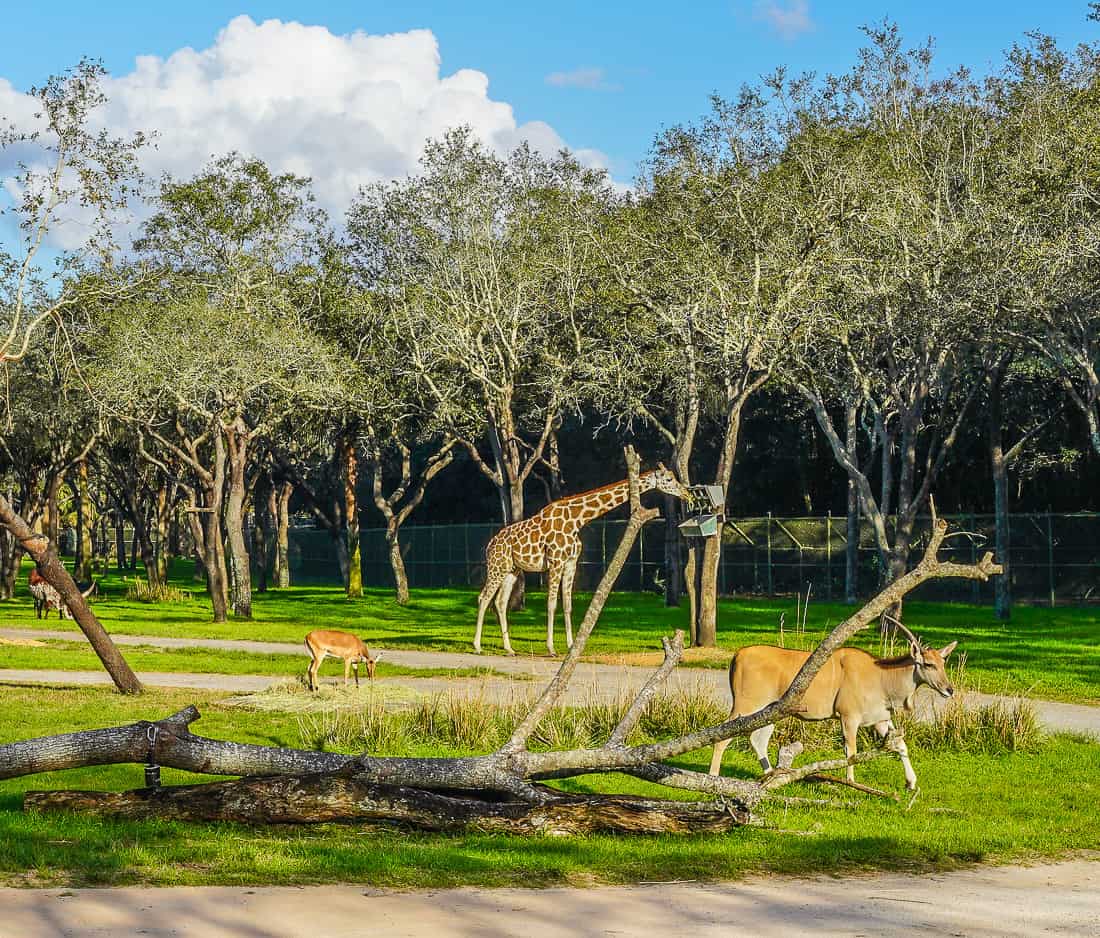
[{"x": 367, "y": 786}]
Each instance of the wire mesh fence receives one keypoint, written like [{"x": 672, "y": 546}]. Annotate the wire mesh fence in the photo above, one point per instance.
[{"x": 1052, "y": 557}]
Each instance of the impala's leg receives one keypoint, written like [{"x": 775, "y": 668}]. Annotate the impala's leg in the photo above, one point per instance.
[
  {"x": 355, "y": 668},
  {"x": 553, "y": 584},
  {"x": 851, "y": 736},
  {"x": 884, "y": 728},
  {"x": 488, "y": 591},
  {"x": 567, "y": 577},
  {"x": 347, "y": 669},
  {"x": 313, "y": 666},
  {"x": 502, "y": 608}
]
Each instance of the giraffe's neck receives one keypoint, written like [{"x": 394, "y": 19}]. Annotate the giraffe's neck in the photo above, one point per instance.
[{"x": 589, "y": 505}]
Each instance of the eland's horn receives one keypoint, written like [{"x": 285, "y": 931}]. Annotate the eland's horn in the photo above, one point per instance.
[{"x": 900, "y": 625}]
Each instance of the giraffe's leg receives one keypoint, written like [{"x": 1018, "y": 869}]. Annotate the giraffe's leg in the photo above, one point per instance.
[
  {"x": 488, "y": 591},
  {"x": 553, "y": 583},
  {"x": 567, "y": 577},
  {"x": 502, "y": 607}
]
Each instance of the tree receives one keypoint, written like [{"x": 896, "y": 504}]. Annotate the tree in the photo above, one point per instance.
[
  {"x": 486, "y": 282},
  {"x": 216, "y": 351},
  {"x": 896, "y": 344},
  {"x": 83, "y": 172},
  {"x": 716, "y": 265}
]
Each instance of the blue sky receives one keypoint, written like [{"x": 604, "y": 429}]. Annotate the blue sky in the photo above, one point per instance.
[{"x": 656, "y": 62}]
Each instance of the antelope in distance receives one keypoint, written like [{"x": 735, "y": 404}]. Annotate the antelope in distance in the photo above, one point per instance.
[
  {"x": 46, "y": 597},
  {"x": 852, "y": 686},
  {"x": 323, "y": 643}
]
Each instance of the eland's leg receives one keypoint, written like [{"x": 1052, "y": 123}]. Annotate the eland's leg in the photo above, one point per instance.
[
  {"x": 851, "y": 736},
  {"x": 759, "y": 740},
  {"x": 884, "y": 728}
]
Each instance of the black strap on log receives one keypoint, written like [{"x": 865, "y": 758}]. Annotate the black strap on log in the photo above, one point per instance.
[{"x": 152, "y": 770}]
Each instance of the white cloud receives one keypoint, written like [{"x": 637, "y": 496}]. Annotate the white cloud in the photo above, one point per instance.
[
  {"x": 345, "y": 110},
  {"x": 587, "y": 76},
  {"x": 790, "y": 20}
]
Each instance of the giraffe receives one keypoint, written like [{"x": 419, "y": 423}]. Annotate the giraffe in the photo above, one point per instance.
[{"x": 550, "y": 541}]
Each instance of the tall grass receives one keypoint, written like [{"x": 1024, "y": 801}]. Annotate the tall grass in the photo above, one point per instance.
[
  {"x": 142, "y": 592},
  {"x": 473, "y": 724}
]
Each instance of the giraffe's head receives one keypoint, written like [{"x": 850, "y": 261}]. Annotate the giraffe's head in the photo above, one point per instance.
[{"x": 664, "y": 480}]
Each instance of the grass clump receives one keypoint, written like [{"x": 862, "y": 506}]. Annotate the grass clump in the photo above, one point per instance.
[{"x": 139, "y": 591}]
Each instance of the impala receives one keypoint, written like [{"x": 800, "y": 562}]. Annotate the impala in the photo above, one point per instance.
[
  {"x": 853, "y": 686},
  {"x": 323, "y": 643}
]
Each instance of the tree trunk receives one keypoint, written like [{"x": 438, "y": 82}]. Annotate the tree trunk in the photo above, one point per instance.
[
  {"x": 1002, "y": 585},
  {"x": 351, "y": 511},
  {"x": 145, "y": 547},
  {"x": 53, "y": 571},
  {"x": 11, "y": 555},
  {"x": 120, "y": 540},
  {"x": 851, "y": 545},
  {"x": 82, "y": 565},
  {"x": 282, "y": 533},
  {"x": 318, "y": 799},
  {"x": 397, "y": 563},
  {"x": 213, "y": 558},
  {"x": 53, "y": 510},
  {"x": 518, "y": 599},
  {"x": 240, "y": 569},
  {"x": 673, "y": 553},
  {"x": 259, "y": 542},
  {"x": 162, "y": 516}
]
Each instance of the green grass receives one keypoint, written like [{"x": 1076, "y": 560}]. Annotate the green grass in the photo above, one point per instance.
[
  {"x": 1048, "y": 653},
  {"x": 78, "y": 656},
  {"x": 973, "y": 806}
]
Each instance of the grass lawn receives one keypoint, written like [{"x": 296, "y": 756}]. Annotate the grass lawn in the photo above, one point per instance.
[
  {"x": 1049, "y": 653},
  {"x": 973, "y": 806},
  {"x": 78, "y": 656}
]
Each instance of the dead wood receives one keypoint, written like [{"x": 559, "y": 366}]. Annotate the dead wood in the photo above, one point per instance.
[{"x": 319, "y": 798}]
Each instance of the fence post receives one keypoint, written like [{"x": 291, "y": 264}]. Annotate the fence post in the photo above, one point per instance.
[
  {"x": 1050, "y": 557},
  {"x": 975, "y": 591},
  {"x": 771, "y": 583},
  {"x": 829, "y": 556}
]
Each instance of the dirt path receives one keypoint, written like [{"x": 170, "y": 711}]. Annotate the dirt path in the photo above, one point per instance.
[
  {"x": 1049, "y": 899},
  {"x": 592, "y": 681}
]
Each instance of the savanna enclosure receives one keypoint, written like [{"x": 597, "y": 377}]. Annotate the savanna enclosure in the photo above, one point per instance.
[{"x": 872, "y": 298}]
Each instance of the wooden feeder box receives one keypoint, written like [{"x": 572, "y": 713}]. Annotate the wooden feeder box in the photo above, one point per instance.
[{"x": 710, "y": 498}]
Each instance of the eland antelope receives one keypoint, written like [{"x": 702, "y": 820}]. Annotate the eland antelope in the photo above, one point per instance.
[{"x": 852, "y": 686}]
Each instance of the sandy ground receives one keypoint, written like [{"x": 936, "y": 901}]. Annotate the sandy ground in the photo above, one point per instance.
[
  {"x": 991, "y": 902},
  {"x": 591, "y": 682}
]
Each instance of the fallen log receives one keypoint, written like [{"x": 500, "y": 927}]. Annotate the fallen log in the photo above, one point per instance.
[{"x": 320, "y": 798}]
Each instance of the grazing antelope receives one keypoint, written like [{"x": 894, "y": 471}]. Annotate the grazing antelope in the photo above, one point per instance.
[
  {"x": 46, "y": 597},
  {"x": 322, "y": 643},
  {"x": 853, "y": 686}
]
